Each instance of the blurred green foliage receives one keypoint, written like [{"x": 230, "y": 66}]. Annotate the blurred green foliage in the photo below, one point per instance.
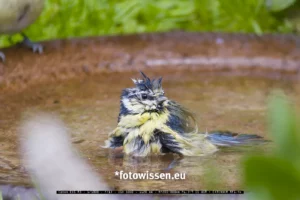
[
  {"x": 278, "y": 5},
  {"x": 277, "y": 176},
  {"x": 78, "y": 18}
]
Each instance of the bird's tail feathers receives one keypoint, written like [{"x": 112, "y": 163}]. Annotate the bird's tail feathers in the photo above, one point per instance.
[{"x": 226, "y": 138}]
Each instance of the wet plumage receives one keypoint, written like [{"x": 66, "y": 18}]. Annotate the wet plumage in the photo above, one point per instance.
[{"x": 150, "y": 123}]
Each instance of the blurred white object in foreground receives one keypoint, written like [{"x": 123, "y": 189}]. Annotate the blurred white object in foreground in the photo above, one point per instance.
[{"x": 51, "y": 161}]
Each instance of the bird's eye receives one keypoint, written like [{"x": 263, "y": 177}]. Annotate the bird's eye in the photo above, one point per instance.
[
  {"x": 144, "y": 96},
  {"x": 159, "y": 106}
]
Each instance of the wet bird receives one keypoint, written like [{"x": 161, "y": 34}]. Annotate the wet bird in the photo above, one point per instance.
[
  {"x": 16, "y": 15},
  {"x": 150, "y": 123}
]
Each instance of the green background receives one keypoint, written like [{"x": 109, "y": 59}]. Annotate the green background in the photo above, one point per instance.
[{"x": 79, "y": 18}]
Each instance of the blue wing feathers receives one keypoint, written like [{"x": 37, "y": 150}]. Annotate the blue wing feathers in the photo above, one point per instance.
[{"x": 226, "y": 138}]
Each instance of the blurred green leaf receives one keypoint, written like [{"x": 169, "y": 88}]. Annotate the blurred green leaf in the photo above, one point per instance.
[
  {"x": 276, "y": 176},
  {"x": 284, "y": 127}
]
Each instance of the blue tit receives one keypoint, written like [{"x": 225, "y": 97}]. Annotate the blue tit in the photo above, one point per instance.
[
  {"x": 150, "y": 123},
  {"x": 16, "y": 15}
]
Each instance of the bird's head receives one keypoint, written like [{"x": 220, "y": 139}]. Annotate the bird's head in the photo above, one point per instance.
[{"x": 146, "y": 96}]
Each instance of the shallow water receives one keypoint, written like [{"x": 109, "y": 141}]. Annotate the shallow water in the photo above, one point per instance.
[{"x": 89, "y": 106}]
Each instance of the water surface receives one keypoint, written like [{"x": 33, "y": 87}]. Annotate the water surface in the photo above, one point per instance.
[{"x": 90, "y": 105}]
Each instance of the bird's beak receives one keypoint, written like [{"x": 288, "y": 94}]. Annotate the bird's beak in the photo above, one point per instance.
[{"x": 162, "y": 99}]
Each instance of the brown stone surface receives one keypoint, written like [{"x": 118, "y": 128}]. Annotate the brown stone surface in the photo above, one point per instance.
[{"x": 64, "y": 59}]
